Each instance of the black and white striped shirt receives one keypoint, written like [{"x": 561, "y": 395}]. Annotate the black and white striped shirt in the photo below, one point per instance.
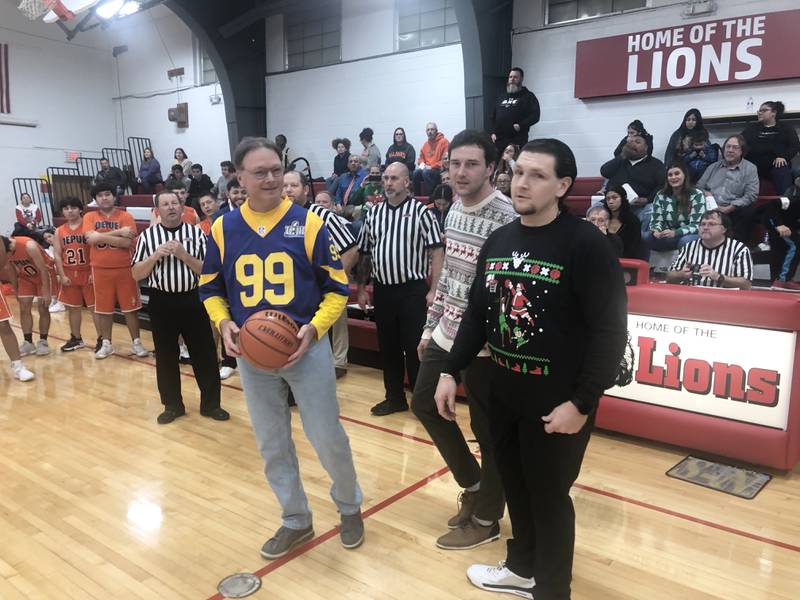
[
  {"x": 398, "y": 239},
  {"x": 731, "y": 258},
  {"x": 170, "y": 273},
  {"x": 341, "y": 236}
]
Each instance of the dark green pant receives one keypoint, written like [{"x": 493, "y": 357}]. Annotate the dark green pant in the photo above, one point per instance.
[{"x": 448, "y": 437}]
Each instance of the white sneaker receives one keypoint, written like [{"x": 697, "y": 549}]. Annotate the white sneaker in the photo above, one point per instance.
[
  {"x": 20, "y": 372},
  {"x": 56, "y": 307},
  {"x": 764, "y": 246},
  {"x": 225, "y": 372},
  {"x": 183, "y": 355},
  {"x": 27, "y": 348},
  {"x": 42, "y": 348},
  {"x": 138, "y": 349},
  {"x": 500, "y": 579},
  {"x": 105, "y": 351}
]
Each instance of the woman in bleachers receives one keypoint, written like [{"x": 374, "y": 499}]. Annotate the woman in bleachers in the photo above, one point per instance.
[
  {"x": 28, "y": 214},
  {"x": 342, "y": 147},
  {"x": 679, "y": 141},
  {"x": 401, "y": 151},
  {"x": 182, "y": 160},
  {"x": 371, "y": 155},
  {"x": 677, "y": 210},
  {"x": 149, "y": 172},
  {"x": 507, "y": 160},
  {"x": 772, "y": 144},
  {"x": 624, "y": 223},
  {"x": 442, "y": 199}
]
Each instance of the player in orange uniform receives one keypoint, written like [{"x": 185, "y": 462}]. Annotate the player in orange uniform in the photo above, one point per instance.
[
  {"x": 71, "y": 254},
  {"x": 7, "y": 336},
  {"x": 30, "y": 275},
  {"x": 111, "y": 232}
]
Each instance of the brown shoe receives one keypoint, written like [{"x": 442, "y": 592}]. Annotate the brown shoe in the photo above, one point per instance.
[
  {"x": 469, "y": 535},
  {"x": 466, "y": 508}
]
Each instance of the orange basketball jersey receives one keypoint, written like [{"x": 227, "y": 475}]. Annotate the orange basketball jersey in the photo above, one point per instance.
[
  {"x": 104, "y": 256},
  {"x": 74, "y": 249},
  {"x": 22, "y": 261}
]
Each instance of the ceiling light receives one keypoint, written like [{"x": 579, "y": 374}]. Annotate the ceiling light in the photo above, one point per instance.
[
  {"x": 129, "y": 8},
  {"x": 109, "y": 9}
]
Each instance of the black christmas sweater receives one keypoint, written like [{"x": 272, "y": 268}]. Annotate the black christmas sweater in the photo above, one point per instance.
[{"x": 551, "y": 305}]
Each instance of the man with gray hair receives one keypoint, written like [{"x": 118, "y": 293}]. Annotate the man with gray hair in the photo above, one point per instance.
[
  {"x": 429, "y": 163},
  {"x": 599, "y": 216},
  {"x": 733, "y": 183}
]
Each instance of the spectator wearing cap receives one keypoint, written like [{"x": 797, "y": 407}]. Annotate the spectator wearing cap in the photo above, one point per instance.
[
  {"x": 635, "y": 127},
  {"x": 640, "y": 174},
  {"x": 700, "y": 155}
]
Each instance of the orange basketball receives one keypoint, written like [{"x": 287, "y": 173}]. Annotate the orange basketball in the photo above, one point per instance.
[{"x": 268, "y": 338}]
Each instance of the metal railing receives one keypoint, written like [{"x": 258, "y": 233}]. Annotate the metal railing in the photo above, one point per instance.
[
  {"x": 39, "y": 190},
  {"x": 66, "y": 183},
  {"x": 136, "y": 146},
  {"x": 88, "y": 167},
  {"x": 121, "y": 158}
]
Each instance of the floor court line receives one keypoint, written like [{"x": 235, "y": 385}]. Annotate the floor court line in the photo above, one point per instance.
[
  {"x": 276, "y": 564},
  {"x": 587, "y": 488}
]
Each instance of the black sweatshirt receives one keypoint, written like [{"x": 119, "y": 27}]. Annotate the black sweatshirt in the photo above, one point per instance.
[
  {"x": 521, "y": 108},
  {"x": 645, "y": 177},
  {"x": 551, "y": 303},
  {"x": 403, "y": 153},
  {"x": 765, "y": 144}
]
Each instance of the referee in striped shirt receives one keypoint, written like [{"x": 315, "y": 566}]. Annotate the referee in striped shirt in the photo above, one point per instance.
[
  {"x": 716, "y": 259},
  {"x": 398, "y": 237},
  {"x": 169, "y": 255},
  {"x": 295, "y": 187}
]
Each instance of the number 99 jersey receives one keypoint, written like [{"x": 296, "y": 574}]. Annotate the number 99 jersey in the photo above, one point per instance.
[{"x": 282, "y": 259}]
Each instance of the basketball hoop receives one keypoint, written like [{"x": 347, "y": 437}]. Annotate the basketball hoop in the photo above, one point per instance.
[{"x": 34, "y": 9}]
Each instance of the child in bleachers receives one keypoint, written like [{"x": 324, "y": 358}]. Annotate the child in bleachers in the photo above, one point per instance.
[{"x": 700, "y": 154}]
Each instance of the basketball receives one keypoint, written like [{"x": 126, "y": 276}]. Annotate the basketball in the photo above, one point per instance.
[{"x": 268, "y": 338}]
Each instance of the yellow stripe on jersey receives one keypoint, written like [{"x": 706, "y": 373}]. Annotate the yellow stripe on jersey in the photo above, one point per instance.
[
  {"x": 219, "y": 238},
  {"x": 263, "y": 222},
  {"x": 338, "y": 275},
  {"x": 313, "y": 225}
]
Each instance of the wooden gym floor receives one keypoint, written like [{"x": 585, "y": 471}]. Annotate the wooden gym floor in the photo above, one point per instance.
[{"x": 99, "y": 502}]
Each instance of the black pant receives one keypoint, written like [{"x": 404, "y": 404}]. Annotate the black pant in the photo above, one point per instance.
[
  {"x": 537, "y": 470},
  {"x": 227, "y": 360},
  {"x": 744, "y": 220},
  {"x": 447, "y": 434},
  {"x": 400, "y": 312},
  {"x": 173, "y": 315}
]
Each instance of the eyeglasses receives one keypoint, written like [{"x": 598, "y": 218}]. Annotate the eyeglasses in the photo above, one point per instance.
[
  {"x": 764, "y": 110},
  {"x": 262, "y": 175}
]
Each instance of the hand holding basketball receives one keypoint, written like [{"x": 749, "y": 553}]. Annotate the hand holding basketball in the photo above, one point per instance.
[
  {"x": 269, "y": 340},
  {"x": 230, "y": 332},
  {"x": 306, "y": 335}
]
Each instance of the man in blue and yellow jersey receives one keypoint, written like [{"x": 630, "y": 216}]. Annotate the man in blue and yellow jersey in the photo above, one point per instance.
[{"x": 272, "y": 253}]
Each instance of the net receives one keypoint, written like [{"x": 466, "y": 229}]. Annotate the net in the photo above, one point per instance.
[{"x": 33, "y": 9}]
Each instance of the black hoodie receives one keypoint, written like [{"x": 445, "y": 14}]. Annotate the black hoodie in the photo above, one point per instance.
[
  {"x": 403, "y": 153},
  {"x": 521, "y": 108}
]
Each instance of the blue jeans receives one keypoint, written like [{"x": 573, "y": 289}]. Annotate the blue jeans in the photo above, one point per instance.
[
  {"x": 667, "y": 244},
  {"x": 644, "y": 213},
  {"x": 313, "y": 383},
  {"x": 431, "y": 177}
]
